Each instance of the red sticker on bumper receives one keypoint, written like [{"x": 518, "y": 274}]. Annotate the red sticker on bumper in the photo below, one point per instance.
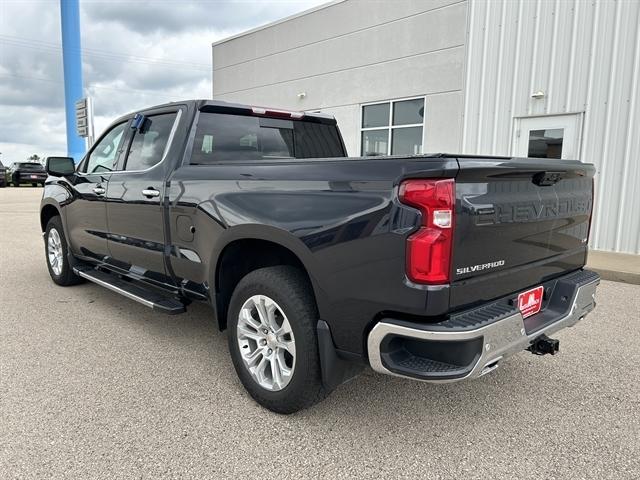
[{"x": 530, "y": 302}]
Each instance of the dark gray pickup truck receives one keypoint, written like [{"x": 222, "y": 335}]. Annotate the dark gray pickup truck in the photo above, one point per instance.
[{"x": 430, "y": 267}]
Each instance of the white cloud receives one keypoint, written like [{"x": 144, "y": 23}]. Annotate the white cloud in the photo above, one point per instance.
[{"x": 135, "y": 54}]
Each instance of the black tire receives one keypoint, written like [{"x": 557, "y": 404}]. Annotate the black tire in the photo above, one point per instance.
[
  {"x": 16, "y": 181},
  {"x": 66, "y": 277},
  {"x": 290, "y": 289}
]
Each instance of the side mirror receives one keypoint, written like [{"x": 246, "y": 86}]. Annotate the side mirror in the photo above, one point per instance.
[{"x": 60, "y": 166}]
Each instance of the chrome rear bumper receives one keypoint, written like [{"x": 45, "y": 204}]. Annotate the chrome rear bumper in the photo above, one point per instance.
[{"x": 499, "y": 331}]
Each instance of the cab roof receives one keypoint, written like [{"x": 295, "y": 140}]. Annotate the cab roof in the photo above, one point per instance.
[{"x": 220, "y": 106}]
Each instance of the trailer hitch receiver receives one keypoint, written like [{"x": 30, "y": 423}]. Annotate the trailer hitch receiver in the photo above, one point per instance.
[{"x": 543, "y": 345}]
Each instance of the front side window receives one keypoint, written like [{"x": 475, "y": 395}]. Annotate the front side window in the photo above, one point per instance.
[
  {"x": 149, "y": 142},
  {"x": 103, "y": 156},
  {"x": 225, "y": 137},
  {"x": 392, "y": 128}
]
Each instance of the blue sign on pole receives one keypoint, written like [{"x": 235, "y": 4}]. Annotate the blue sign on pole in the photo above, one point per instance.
[{"x": 72, "y": 64}]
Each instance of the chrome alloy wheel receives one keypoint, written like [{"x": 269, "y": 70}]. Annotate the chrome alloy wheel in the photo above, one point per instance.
[
  {"x": 54, "y": 251},
  {"x": 266, "y": 342}
]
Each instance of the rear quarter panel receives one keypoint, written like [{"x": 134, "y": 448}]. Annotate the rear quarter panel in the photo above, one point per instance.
[{"x": 340, "y": 217}]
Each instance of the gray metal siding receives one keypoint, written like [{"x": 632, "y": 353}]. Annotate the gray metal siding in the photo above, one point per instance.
[
  {"x": 585, "y": 56},
  {"x": 350, "y": 53}
]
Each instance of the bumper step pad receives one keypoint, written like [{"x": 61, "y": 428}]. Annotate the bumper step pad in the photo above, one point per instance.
[
  {"x": 472, "y": 343},
  {"x": 422, "y": 364}
]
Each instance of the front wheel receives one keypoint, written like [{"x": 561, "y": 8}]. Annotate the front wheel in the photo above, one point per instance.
[
  {"x": 56, "y": 253},
  {"x": 273, "y": 340}
]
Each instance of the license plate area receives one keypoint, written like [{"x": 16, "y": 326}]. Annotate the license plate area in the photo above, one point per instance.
[
  {"x": 530, "y": 302},
  {"x": 33, "y": 176}
]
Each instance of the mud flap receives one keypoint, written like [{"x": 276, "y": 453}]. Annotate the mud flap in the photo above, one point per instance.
[{"x": 335, "y": 370}]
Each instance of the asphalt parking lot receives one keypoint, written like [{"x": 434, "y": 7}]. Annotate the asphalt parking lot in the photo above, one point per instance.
[{"x": 93, "y": 385}]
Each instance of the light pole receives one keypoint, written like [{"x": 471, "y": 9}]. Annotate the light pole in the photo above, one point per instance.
[{"x": 72, "y": 66}]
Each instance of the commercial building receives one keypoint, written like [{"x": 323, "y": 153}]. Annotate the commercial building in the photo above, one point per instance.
[{"x": 545, "y": 78}]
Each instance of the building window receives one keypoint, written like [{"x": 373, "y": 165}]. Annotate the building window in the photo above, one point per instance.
[
  {"x": 546, "y": 143},
  {"x": 392, "y": 128}
]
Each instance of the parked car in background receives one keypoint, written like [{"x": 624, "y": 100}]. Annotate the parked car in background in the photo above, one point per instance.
[
  {"x": 3, "y": 173},
  {"x": 25, "y": 172}
]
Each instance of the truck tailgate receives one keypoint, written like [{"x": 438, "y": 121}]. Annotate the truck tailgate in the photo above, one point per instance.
[{"x": 518, "y": 222}]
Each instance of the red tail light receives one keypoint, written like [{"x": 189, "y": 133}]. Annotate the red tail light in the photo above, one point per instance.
[{"x": 429, "y": 249}]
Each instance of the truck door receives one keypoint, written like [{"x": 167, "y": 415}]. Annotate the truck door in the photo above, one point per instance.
[
  {"x": 86, "y": 214},
  {"x": 135, "y": 194}
]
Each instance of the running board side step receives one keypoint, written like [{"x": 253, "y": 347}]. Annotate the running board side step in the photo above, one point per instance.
[{"x": 146, "y": 297}]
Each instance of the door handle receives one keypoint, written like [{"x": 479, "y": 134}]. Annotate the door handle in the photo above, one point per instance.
[
  {"x": 99, "y": 191},
  {"x": 150, "y": 192}
]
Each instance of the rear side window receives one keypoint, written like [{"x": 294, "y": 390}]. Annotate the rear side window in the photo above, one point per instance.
[
  {"x": 148, "y": 145},
  {"x": 223, "y": 137},
  {"x": 316, "y": 140}
]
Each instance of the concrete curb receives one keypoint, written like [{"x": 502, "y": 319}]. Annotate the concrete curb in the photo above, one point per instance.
[
  {"x": 614, "y": 276},
  {"x": 618, "y": 267}
]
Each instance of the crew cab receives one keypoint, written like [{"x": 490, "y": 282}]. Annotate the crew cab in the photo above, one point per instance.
[{"x": 433, "y": 267}]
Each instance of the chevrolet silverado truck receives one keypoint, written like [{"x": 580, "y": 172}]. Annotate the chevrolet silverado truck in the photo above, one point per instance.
[{"x": 432, "y": 267}]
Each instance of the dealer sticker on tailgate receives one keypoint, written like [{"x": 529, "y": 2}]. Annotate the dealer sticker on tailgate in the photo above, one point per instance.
[{"x": 529, "y": 302}]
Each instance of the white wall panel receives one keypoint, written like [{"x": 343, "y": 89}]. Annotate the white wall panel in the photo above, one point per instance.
[
  {"x": 429, "y": 73},
  {"x": 414, "y": 36},
  {"x": 584, "y": 55},
  {"x": 443, "y": 122},
  {"x": 344, "y": 17}
]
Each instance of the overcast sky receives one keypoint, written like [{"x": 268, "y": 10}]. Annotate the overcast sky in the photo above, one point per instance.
[{"x": 136, "y": 53}]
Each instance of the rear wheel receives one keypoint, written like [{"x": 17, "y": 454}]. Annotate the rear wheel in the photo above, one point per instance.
[
  {"x": 56, "y": 253},
  {"x": 273, "y": 340}
]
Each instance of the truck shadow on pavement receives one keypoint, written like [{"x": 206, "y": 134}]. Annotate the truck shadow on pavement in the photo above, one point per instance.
[{"x": 195, "y": 335}]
